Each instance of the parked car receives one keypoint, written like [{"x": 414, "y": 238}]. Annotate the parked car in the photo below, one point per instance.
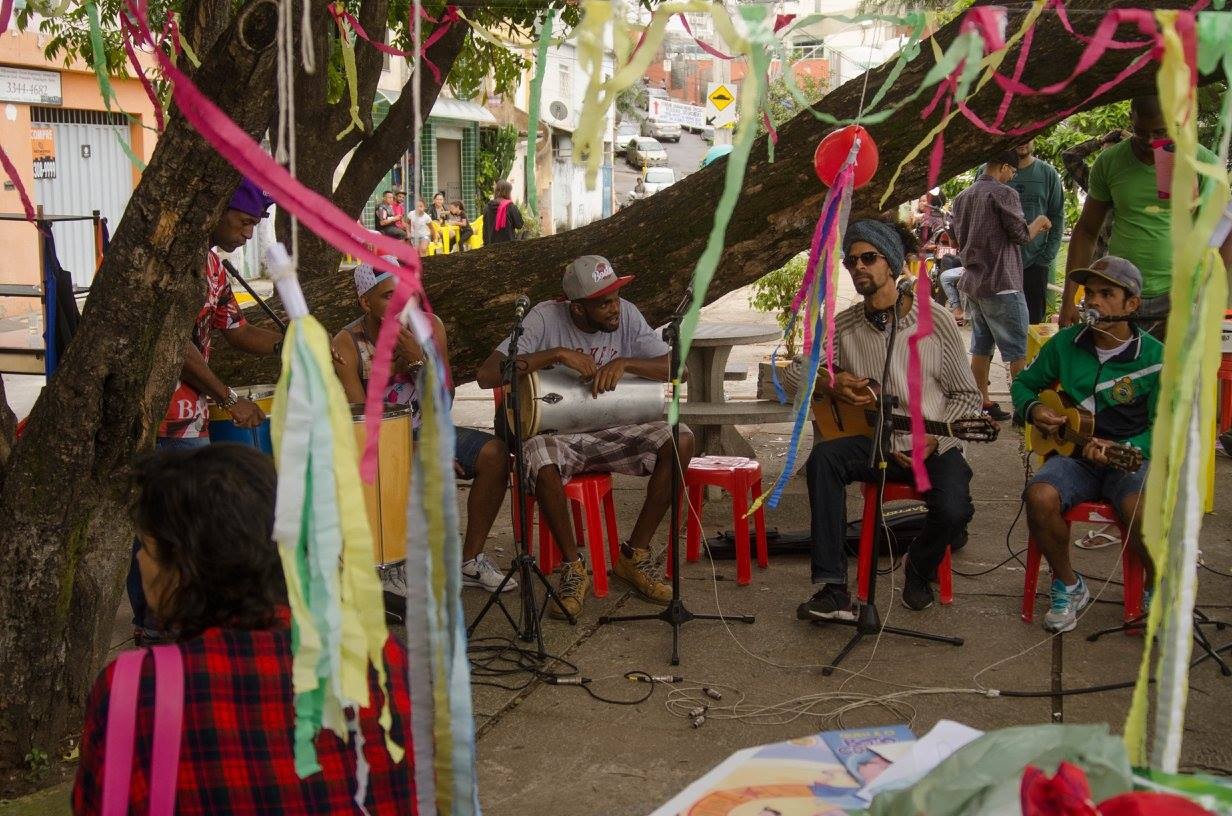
[
  {"x": 625, "y": 133},
  {"x": 657, "y": 178},
  {"x": 663, "y": 131},
  {"x": 645, "y": 152}
]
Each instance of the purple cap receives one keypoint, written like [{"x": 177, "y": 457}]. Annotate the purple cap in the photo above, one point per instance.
[{"x": 250, "y": 200}]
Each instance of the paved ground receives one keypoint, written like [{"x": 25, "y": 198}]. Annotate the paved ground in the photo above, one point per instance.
[{"x": 554, "y": 750}]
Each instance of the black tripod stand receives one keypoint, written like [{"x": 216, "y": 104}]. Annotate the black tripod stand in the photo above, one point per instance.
[
  {"x": 530, "y": 629},
  {"x": 868, "y": 620},
  {"x": 675, "y": 614},
  {"x": 1201, "y": 639}
]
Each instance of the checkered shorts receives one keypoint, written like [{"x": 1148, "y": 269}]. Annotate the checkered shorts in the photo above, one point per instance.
[{"x": 628, "y": 449}]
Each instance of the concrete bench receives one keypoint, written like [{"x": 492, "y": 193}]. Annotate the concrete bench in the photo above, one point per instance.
[
  {"x": 736, "y": 372},
  {"x": 713, "y": 423}
]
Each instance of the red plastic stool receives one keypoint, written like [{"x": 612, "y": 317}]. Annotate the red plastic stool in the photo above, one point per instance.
[
  {"x": 1225, "y": 393},
  {"x": 741, "y": 478},
  {"x": 586, "y": 494},
  {"x": 1133, "y": 573},
  {"x": 894, "y": 491}
]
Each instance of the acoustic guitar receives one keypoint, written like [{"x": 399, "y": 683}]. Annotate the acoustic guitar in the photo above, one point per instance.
[
  {"x": 1077, "y": 431},
  {"x": 833, "y": 419}
]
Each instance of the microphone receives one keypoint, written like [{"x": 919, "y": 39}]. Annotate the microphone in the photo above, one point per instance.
[
  {"x": 520, "y": 307},
  {"x": 1090, "y": 317}
]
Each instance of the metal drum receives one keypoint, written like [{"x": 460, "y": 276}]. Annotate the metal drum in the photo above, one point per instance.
[
  {"x": 222, "y": 429},
  {"x": 386, "y": 497},
  {"x": 555, "y": 400}
]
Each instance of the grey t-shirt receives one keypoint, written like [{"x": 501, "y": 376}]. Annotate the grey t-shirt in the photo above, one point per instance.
[{"x": 548, "y": 325}]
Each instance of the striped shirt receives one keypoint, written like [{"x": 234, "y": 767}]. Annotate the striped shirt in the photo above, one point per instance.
[{"x": 949, "y": 391}]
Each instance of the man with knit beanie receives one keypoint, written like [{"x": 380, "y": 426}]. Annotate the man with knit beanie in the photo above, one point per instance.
[{"x": 874, "y": 254}]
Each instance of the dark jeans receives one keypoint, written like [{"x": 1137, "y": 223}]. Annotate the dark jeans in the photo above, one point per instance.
[
  {"x": 136, "y": 593},
  {"x": 1035, "y": 289},
  {"x": 834, "y": 465}
]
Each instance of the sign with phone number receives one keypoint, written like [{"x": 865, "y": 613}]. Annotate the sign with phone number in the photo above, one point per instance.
[{"x": 32, "y": 87}]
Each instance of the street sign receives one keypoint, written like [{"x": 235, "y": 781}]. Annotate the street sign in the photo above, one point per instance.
[
  {"x": 669, "y": 110},
  {"x": 720, "y": 105}
]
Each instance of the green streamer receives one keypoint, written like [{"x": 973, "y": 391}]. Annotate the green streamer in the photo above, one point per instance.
[
  {"x": 752, "y": 93},
  {"x": 98, "y": 55},
  {"x": 536, "y": 91}
]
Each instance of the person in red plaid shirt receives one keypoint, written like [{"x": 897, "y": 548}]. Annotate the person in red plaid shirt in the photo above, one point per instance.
[{"x": 212, "y": 574}]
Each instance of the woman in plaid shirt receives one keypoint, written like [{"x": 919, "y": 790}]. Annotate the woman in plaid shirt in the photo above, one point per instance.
[{"x": 211, "y": 572}]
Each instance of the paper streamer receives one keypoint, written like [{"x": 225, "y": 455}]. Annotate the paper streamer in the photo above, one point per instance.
[
  {"x": 1171, "y": 507},
  {"x": 321, "y": 526},
  {"x": 824, "y": 251},
  {"x": 536, "y": 94}
]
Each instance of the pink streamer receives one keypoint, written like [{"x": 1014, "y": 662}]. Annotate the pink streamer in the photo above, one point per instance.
[
  {"x": 846, "y": 183},
  {"x": 447, "y": 19},
  {"x": 11, "y": 171},
  {"x": 127, "y": 36},
  {"x": 709, "y": 49},
  {"x": 1019, "y": 67},
  {"x": 989, "y": 22},
  {"x": 6, "y": 13},
  {"x": 774, "y": 134},
  {"x": 382, "y": 365},
  {"x": 782, "y": 20},
  {"x": 915, "y": 381}
]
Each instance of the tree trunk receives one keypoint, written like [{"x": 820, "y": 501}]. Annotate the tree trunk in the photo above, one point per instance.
[
  {"x": 660, "y": 238},
  {"x": 8, "y": 424},
  {"x": 64, "y": 538}
]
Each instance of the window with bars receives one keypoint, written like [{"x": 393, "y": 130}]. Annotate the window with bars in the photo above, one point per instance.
[{"x": 69, "y": 116}]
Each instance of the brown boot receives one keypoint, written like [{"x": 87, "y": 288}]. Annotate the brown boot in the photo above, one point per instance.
[
  {"x": 572, "y": 584},
  {"x": 635, "y": 568}
]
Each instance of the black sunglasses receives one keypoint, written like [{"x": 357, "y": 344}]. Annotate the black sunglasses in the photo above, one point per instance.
[{"x": 866, "y": 258}]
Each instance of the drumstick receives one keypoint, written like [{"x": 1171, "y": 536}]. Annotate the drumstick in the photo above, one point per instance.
[{"x": 264, "y": 306}]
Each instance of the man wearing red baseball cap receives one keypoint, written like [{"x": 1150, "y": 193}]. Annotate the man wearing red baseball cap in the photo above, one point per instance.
[{"x": 603, "y": 337}]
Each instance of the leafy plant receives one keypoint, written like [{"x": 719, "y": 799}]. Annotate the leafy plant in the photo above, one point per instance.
[
  {"x": 774, "y": 292},
  {"x": 36, "y": 760},
  {"x": 494, "y": 160},
  {"x": 781, "y": 105}
]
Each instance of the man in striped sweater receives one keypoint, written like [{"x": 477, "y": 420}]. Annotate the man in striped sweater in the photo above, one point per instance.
[{"x": 874, "y": 253}]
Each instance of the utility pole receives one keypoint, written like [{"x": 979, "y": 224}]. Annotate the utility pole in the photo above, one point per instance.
[{"x": 722, "y": 74}]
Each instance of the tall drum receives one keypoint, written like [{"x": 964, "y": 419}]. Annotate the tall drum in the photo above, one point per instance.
[
  {"x": 224, "y": 429},
  {"x": 387, "y": 496},
  {"x": 555, "y": 400}
]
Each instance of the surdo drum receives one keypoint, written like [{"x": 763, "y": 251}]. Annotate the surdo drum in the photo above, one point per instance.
[{"x": 556, "y": 401}]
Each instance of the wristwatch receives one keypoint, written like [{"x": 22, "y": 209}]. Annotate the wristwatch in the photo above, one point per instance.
[{"x": 231, "y": 399}]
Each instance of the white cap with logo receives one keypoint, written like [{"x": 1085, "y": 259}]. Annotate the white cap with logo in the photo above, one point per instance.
[{"x": 591, "y": 276}]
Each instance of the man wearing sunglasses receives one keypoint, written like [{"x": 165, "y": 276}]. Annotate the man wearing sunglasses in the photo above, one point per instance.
[
  {"x": 990, "y": 228},
  {"x": 875, "y": 252}
]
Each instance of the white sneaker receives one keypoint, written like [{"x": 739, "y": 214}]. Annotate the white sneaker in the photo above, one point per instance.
[
  {"x": 1067, "y": 604},
  {"x": 481, "y": 572}
]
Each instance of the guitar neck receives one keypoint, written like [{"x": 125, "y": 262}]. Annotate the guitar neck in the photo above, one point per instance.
[{"x": 902, "y": 423}]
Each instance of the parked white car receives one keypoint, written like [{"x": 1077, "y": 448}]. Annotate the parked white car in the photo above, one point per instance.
[
  {"x": 663, "y": 131},
  {"x": 652, "y": 181},
  {"x": 625, "y": 133}
]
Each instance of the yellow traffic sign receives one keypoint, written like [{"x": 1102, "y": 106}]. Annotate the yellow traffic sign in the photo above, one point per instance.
[{"x": 720, "y": 97}]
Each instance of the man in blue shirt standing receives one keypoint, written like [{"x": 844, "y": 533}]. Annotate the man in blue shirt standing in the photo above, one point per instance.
[{"x": 1039, "y": 189}]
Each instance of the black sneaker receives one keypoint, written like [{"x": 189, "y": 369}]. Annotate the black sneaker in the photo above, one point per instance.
[
  {"x": 1225, "y": 442},
  {"x": 995, "y": 412},
  {"x": 831, "y": 602},
  {"x": 959, "y": 542},
  {"x": 917, "y": 593}
]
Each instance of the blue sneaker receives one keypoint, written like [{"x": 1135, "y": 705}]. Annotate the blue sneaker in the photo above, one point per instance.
[{"x": 1066, "y": 605}]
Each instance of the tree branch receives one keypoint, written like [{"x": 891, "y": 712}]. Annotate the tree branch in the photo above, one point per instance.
[{"x": 392, "y": 137}]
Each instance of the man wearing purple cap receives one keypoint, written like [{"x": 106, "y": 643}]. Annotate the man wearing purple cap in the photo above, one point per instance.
[
  {"x": 184, "y": 425},
  {"x": 602, "y": 337}
]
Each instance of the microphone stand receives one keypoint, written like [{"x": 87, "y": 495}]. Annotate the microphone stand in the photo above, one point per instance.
[
  {"x": 524, "y": 566},
  {"x": 675, "y": 614},
  {"x": 868, "y": 620}
]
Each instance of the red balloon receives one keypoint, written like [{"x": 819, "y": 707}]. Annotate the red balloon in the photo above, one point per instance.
[{"x": 833, "y": 150}]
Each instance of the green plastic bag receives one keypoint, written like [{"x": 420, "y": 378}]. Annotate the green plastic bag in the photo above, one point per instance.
[{"x": 983, "y": 777}]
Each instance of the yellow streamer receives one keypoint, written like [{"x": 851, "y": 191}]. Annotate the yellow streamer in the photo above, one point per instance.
[
  {"x": 352, "y": 78},
  {"x": 601, "y": 95},
  {"x": 1191, "y": 357}
]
